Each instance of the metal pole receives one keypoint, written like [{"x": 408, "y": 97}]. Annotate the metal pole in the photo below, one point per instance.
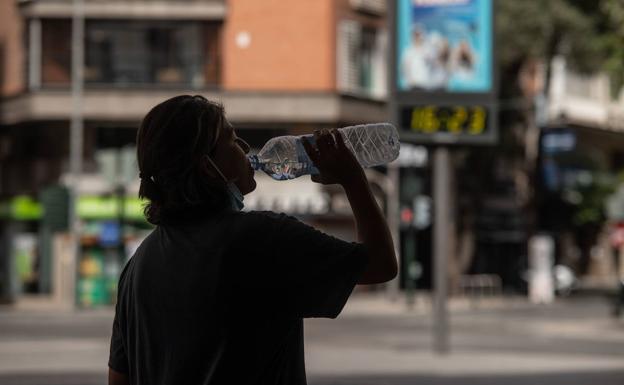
[
  {"x": 394, "y": 287},
  {"x": 34, "y": 54},
  {"x": 76, "y": 143},
  {"x": 441, "y": 196}
]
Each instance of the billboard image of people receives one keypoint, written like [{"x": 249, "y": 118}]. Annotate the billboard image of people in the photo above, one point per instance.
[{"x": 444, "y": 45}]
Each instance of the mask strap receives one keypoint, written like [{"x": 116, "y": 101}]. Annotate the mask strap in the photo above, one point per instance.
[{"x": 216, "y": 168}]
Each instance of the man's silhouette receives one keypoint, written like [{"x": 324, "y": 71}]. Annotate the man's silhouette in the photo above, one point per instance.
[{"x": 215, "y": 295}]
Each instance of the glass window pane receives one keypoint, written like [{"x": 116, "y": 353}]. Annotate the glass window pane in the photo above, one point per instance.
[
  {"x": 55, "y": 52},
  {"x": 130, "y": 53}
]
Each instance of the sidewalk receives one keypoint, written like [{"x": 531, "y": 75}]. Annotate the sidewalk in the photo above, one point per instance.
[{"x": 501, "y": 341}]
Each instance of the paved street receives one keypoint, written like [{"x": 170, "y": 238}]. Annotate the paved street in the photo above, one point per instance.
[{"x": 373, "y": 342}]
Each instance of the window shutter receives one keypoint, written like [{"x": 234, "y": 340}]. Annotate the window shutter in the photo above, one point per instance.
[
  {"x": 349, "y": 36},
  {"x": 380, "y": 65}
]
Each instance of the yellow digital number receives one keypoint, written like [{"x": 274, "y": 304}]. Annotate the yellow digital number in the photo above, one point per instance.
[
  {"x": 477, "y": 122},
  {"x": 456, "y": 122},
  {"x": 415, "y": 124},
  {"x": 429, "y": 122},
  {"x": 424, "y": 120}
]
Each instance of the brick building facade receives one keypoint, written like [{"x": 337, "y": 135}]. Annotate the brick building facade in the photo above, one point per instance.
[{"x": 279, "y": 67}]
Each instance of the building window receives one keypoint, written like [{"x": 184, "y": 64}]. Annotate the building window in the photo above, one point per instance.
[
  {"x": 55, "y": 52},
  {"x": 134, "y": 53},
  {"x": 373, "y": 7},
  {"x": 125, "y": 53},
  {"x": 361, "y": 57}
]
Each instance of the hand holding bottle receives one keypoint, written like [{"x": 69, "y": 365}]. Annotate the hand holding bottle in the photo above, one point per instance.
[{"x": 335, "y": 162}]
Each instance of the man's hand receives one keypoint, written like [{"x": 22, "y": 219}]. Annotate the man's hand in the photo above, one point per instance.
[{"x": 335, "y": 162}]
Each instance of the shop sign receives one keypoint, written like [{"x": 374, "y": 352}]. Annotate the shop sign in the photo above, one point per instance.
[
  {"x": 94, "y": 207},
  {"x": 21, "y": 208}
]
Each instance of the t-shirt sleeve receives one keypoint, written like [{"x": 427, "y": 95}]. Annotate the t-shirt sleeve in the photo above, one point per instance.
[
  {"x": 117, "y": 360},
  {"x": 300, "y": 271}
]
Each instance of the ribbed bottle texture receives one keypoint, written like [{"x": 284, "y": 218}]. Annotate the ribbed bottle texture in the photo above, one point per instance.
[{"x": 284, "y": 157}]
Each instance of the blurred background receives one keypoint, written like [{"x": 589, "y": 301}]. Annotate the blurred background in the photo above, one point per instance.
[{"x": 535, "y": 236}]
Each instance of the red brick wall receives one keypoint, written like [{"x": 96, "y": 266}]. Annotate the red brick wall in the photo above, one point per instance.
[
  {"x": 292, "y": 45},
  {"x": 12, "y": 56}
]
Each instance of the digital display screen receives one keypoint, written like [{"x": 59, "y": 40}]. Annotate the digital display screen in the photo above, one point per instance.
[{"x": 454, "y": 120}]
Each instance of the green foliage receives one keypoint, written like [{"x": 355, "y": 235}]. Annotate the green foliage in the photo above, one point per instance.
[
  {"x": 588, "y": 34},
  {"x": 521, "y": 28},
  {"x": 613, "y": 41},
  {"x": 593, "y": 195},
  {"x": 592, "y": 185}
]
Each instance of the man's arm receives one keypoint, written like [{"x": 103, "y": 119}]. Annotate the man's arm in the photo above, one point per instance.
[
  {"x": 373, "y": 232},
  {"x": 116, "y": 378},
  {"x": 337, "y": 164}
]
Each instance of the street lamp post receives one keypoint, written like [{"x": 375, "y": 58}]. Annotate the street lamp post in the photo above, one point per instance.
[
  {"x": 442, "y": 200},
  {"x": 75, "y": 145},
  {"x": 392, "y": 215}
]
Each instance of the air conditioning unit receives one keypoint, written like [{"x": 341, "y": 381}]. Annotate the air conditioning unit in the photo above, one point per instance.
[{"x": 375, "y": 7}]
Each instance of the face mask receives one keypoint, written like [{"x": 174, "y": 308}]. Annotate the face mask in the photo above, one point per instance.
[
  {"x": 236, "y": 197},
  {"x": 234, "y": 193}
]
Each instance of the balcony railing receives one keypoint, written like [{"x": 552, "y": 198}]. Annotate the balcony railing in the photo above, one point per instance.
[{"x": 129, "y": 9}]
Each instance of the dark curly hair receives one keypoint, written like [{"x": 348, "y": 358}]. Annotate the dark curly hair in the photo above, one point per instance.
[{"x": 171, "y": 141}]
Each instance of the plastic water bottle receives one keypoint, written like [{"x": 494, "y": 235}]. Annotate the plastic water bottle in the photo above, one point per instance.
[{"x": 284, "y": 157}]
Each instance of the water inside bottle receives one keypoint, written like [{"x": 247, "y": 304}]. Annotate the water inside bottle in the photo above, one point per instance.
[
  {"x": 287, "y": 168},
  {"x": 285, "y": 157}
]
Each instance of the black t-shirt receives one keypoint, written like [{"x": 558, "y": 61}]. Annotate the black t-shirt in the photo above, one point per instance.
[{"x": 222, "y": 300}]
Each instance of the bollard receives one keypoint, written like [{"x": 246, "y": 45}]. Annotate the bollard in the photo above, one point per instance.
[{"x": 541, "y": 261}]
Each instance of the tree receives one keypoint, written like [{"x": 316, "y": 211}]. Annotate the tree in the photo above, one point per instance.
[
  {"x": 589, "y": 34},
  {"x": 612, "y": 40}
]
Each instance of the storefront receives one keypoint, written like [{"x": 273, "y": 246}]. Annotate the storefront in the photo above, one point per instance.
[
  {"x": 110, "y": 233},
  {"x": 23, "y": 270},
  {"x": 112, "y": 229}
]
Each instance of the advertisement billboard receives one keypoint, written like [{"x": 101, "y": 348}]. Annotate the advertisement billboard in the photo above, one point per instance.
[
  {"x": 444, "y": 81},
  {"x": 444, "y": 45}
]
